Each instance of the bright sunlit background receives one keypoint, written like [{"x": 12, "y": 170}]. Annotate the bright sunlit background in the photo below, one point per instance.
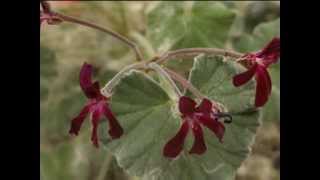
[{"x": 65, "y": 47}]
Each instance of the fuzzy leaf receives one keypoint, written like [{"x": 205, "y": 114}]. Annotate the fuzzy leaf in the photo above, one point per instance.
[
  {"x": 150, "y": 118},
  {"x": 271, "y": 111},
  {"x": 174, "y": 25},
  {"x": 261, "y": 35}
]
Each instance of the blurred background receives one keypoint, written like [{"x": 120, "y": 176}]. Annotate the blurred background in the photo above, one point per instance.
[{"x": 64, "y": 48}]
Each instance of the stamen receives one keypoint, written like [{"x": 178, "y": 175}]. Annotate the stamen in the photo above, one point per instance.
[{"x": 224, "y": 115}]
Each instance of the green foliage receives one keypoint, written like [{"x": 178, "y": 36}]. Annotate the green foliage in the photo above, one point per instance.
[
  {"x": 261, "y": 35},
  {"x": 213, "y": 77},
  {"x": 173, "y": 25},
  {"x": 150, "y": 118},
  {"x": 271, "y": 111},
  {"x": 260, "y": 11}
]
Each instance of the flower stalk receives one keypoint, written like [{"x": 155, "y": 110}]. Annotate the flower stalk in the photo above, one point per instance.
[
  {"x": 166, "y": 77},
  {"x": 107, "y": 89},
  {"x": 192, "y": 52},
  {"x": 131, "y": 44},
  {"x": 185, "y": 83}
]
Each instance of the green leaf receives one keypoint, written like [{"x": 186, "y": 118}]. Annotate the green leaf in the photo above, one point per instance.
[
  {"x": 150, "y": 118},
  {"x": 271, "y": 111},
  {"x": 213, "y": 77},
  {"x": 274, "y": 72},
  {"x": 260, "y": 11},
  {"x": 174, "y": 25},
  {"x": 262, "y": 34}
]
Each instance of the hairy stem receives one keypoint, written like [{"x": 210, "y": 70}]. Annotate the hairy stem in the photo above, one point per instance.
[
  {"x": 107, "y": 89},
  {"x": 185, "y": 83},
  {"x": 192, "y": 52},
  {"x": 156, "y": 67},
  {"x": 189, "y": 52}
]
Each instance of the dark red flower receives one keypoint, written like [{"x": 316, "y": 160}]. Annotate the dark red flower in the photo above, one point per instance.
[
  {"x": 193, "y": 116},
  {"x": 257, "y": 64},
  {"x": 97, "y": 106}
]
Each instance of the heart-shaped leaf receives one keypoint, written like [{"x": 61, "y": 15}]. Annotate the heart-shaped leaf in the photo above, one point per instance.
[
  {"x": 150, "y": 118},
  {"x": 271, "y": 111}
]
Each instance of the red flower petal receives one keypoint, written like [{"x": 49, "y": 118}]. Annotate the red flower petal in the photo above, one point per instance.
[
  {"x": 77, "y": 121},
  {"x": 264, "y": 86},
  {"x": 186, "y": 105},
  {"x": 91, "y": 90},
  {"x": 115, "y": 130},
  {"x": 199, "y": 146},
  {"x": 96, "y": 115},
  {"x": 85, "y": 76},
  {"x": 271, "y": 52},
  {"x": 205, "y": 106},
  {"x": 214, "y": 125},
  {"x": 244, "y": 77},
  {"x": 175, "y": 145},
  {"x": 273, "y": 47}
]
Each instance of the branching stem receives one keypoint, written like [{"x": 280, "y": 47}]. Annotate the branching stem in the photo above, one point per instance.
[
  {"x": 185, "y": 83},
  {"x": 154, "y": 62},
  {"x": 160, "y": 70},
  {"x": 107, "y": 89}
]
